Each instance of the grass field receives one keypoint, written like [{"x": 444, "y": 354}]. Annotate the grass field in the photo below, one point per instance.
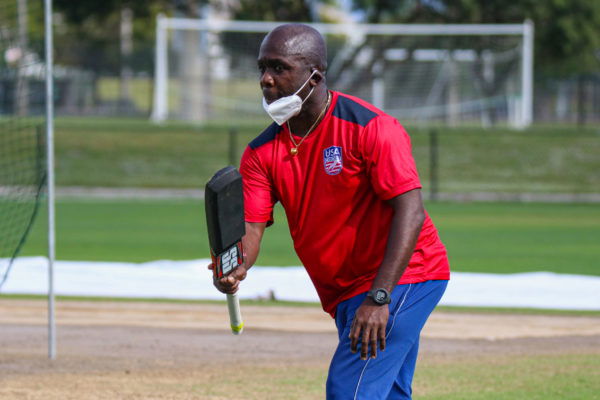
[
  {"x": 480, "y": 237},
  {"x": 548, "y": 377},
  {"x": 545, "y": 377},
  {"x": 142, "y": 91},
  {"x": 503, "y": 378},
  {"x": 133, "y": 152}
]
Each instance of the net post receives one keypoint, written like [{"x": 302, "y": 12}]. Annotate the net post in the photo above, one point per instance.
[
  {"x": 161, "y": 75},
  {"x": 433, "y": 165},
  {"x": 527, "y": 75},
  {"x": 50, "y": 176}
]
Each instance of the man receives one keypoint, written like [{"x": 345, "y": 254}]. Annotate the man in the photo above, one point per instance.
[{"x": 344, "y": 173}]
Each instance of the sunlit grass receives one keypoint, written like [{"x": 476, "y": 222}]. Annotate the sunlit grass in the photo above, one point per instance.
[
  {"x": 480, "y": 237},
  {"x": 135, "y": 152}
]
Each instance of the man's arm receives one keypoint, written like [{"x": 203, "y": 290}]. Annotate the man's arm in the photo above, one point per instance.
[
  {"x": 371, "y": 319},
  {"x": 251, "y": 244}
]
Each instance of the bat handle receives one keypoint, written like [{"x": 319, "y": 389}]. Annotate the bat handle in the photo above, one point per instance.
[{"x": 235, "y": 316}]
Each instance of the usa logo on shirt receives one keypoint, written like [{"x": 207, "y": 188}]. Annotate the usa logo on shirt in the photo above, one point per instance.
[{"x": 332, "y": 160}]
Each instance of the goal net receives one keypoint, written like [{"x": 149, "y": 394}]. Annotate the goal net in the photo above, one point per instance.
[
  {"x": 22, "y": 102},
  {"x": 421, "y": 74}
]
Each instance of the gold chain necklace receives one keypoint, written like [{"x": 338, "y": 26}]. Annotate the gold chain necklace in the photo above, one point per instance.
[{"x": 294, "y": 150}]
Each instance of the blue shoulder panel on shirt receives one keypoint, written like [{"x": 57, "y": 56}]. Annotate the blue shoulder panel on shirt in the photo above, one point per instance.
[
  {"x": 349, "y": 110},
  {"x": 266, "y": 136}
]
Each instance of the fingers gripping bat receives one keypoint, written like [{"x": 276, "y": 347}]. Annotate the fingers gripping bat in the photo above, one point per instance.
[{"x": 224, "y": 202}]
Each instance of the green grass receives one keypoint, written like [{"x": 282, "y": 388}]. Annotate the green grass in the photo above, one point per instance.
[
  {"x": 509, "y": 237},
  {"x": 480, "y": 237},
  {"x": 541, "y": 377},
  {"x": 520, "y": 311},
  {"x": 489, "y": 377},
  {"x": 145, "y": 230},
  {"x": 538, "y": 160},
  {"x": 141, "y": 92},
  {"x": 134, "y": 152}
]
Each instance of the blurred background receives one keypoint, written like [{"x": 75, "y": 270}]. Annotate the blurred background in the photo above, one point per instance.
[
  {"x": 152, "y": 97},
  {"x": 105, "y": 52}
]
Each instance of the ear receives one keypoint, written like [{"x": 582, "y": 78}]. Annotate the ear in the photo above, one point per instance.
[{"x": 317, "y": 77}]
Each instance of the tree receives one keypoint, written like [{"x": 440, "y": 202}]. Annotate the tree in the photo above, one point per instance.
[
  {"x": 89, "y": 34},
  {"x": 273, "y": 10},
  {"x": 567, "y": 37},
  {"x": 110, "y": 37}
]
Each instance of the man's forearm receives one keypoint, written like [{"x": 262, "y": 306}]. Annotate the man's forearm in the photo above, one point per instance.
[
  {"x": 251, "y": 242},
  {"x": 404, "y": 231}
]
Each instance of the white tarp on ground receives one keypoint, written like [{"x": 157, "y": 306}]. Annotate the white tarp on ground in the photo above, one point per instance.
[{"x": 192, "y": 280}]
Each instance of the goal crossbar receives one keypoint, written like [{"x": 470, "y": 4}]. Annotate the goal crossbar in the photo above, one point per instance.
[{"x": 376, "y": 29}]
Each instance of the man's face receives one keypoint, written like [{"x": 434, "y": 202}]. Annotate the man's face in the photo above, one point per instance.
[{"x": 281, "y": 73}]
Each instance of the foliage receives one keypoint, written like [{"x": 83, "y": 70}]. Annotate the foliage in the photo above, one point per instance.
[
  {"x": 9, "y": 29},
  {"x": 88, "y": 34},
  {"x": 567, "y": 35},
  {"x": 273, "y": 10},
  {"x": 76, "y": 12}
]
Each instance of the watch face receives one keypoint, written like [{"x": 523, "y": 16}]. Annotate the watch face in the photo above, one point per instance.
[{"x": 380, "y": 296}]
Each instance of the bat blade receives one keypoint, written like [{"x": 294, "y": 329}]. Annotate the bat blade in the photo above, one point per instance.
[{"x": 224, "y": 202}]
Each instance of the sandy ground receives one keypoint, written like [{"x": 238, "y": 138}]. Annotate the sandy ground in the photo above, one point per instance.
[{"x": 122, "y": 350}]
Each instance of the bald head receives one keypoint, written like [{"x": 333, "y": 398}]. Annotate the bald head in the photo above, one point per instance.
[{"x": 298, "y": 40}]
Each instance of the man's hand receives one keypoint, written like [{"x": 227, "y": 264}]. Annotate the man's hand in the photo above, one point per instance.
[
  {"x": 368, "y": 327},
  {"x": 251, "y": 243},
  {"x": 230, "y": 284}
]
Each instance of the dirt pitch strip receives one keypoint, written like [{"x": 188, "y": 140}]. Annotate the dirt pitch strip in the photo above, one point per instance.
[{"x": 137, "y": 350}]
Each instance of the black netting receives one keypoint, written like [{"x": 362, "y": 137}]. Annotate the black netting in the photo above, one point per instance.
[
  {"x": 22, "y": 102},
  {"x": 22, "y": 177}
]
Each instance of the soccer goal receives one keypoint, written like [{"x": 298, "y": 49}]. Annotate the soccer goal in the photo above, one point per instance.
[{"x": 476, "y": 74}]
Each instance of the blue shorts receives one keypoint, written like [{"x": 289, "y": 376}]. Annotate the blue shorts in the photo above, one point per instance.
[{"x": 389, "y": 376}]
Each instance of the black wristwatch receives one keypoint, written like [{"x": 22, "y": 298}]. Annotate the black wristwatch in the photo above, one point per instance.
[{"x": 380, "y": 296}]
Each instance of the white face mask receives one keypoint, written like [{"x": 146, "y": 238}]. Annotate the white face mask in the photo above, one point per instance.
[{"x": 287, "y": 107}]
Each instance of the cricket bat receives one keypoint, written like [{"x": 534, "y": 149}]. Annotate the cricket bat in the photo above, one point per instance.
[{"x": 224, "y": 202}]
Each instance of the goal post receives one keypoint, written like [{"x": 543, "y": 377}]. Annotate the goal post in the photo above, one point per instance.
[
  {"x": 49, "y": 114},
  {"x": 26, "y": 135},
  {"x": 205, "y": 70}
]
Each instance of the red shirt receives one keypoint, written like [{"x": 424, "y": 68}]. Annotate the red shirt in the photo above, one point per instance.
[{"x": 334, "y": 191}]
